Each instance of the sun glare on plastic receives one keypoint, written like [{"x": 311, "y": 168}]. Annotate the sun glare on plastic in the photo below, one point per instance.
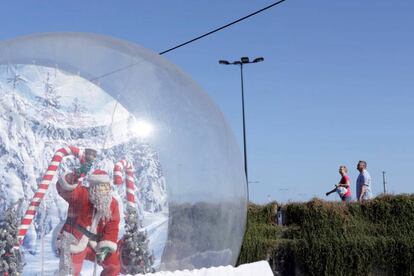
[{"x": 143, "y": 129}]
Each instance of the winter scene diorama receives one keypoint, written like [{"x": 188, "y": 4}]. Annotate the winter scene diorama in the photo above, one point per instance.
[
  {"x": 45, "y": 112},
  {"x": 113, "y": 162}
]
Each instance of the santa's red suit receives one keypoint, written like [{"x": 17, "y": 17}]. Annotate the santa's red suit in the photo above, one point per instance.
[{"x": 83, "y": 215}]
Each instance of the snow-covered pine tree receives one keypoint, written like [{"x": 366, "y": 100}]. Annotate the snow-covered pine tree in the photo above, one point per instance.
[
  {"x": 136, "y": 257},
  {"x": 50, "y": 96},
  {"x": 77, "y": 110},
  {"x": 11, "y": 260},
  {"x": 15, "y": 80},
  {"x": 152, "y": 182}
]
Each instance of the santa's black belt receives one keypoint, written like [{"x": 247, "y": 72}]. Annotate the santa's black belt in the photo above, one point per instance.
[
  {"x": 90, "y": 235},
  {"x": 83, "y": 230}
]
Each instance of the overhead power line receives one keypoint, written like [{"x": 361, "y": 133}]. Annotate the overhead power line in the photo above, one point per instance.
[
  {"x": 221, "y": 28},
  {"x": 194, "y": 39}
]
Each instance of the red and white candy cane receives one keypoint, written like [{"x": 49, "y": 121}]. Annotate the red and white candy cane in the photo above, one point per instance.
[
  {"x": 43, "y": 186},
  {"x": 126, "y": 166}
]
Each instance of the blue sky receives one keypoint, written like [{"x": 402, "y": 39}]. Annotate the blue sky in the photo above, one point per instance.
[{"x": 336, "y": 85}]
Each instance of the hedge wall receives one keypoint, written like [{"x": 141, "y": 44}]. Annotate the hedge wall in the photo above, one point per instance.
[{"x": 333, "y": 238}]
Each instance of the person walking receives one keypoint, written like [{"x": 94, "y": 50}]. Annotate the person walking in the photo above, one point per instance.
[
  {"x": 343, "y": 188},
  {"x": 363, "y": 183}
]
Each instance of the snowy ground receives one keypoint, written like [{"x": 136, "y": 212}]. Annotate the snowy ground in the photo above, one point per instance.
[{"x": 156, "y": 226}]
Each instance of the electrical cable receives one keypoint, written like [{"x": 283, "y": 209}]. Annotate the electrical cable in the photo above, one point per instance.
[
  {"x": 221, "y": 28},
  {"x": 194, "y": 39}
]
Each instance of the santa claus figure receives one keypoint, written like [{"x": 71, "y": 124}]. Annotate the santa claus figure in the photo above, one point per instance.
[{"x": 91, "y": 228}]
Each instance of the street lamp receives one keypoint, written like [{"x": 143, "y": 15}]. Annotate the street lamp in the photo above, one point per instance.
[{"x": 243, "y": 60}]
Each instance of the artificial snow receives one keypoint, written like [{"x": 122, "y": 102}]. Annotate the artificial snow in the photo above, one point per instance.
[{"x": 261, "y": 268}]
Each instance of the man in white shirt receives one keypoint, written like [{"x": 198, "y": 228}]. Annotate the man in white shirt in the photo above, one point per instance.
[{"x": 363, "y": 183}]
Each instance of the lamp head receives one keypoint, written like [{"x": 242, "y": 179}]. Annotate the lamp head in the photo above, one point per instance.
[
  {"x": 225, "y": 62},
  {"x": 244, "y": 60},
  {"x": 259, "y": 59}
]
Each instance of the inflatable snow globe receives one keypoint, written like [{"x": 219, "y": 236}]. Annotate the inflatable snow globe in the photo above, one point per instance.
[{"x": 112, "y": 159}]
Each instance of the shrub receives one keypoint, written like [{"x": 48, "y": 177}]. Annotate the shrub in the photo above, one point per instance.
[{"x": 332, "y": 238}]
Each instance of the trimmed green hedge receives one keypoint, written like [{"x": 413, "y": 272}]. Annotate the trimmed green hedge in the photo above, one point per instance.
[{"x": 333, "y": 238}]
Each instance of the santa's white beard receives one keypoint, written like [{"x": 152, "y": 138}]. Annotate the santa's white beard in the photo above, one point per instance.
[{"x": 102, "y": 202}]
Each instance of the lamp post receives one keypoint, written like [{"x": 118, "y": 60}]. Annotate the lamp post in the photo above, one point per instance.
[{"x": 241, "y": 62}]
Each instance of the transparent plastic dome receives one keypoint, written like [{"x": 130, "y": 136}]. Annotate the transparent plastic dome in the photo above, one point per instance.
[{"x": 85, "y": 91}]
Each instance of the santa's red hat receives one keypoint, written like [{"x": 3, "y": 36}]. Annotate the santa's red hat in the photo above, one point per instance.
[{"x": 99, "y": 176}]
